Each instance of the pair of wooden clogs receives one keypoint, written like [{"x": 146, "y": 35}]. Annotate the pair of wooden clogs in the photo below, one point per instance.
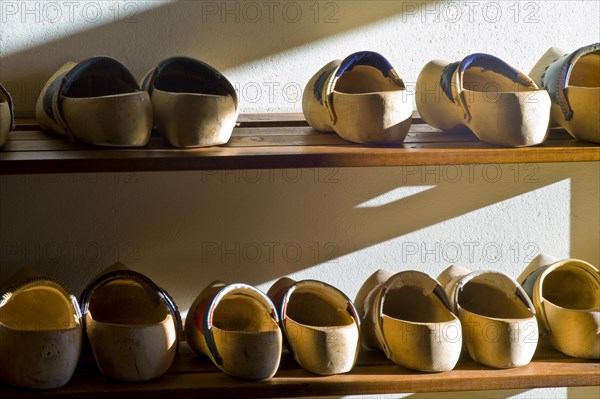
[
  {"x": 364, "y": 100},
  {"x": 132, "y": 325},
  {"x": 99, "y": 102},
  {"x": 242, "y": 330},
  {"x": 422, "y": 323}
]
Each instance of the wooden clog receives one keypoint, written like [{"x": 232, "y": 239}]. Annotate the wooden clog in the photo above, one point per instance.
[
  {"x": 40, "y": 332},
  {"x": 407, "y": 315},
  {"x": 573, "y": 82},
  {"x": 194, "y": 104},
  {"x": 7, "y": 118},
  {"x": 498, "y": 319},
  {"x": 495, "y": 101},
  {"x": 566, "y": 296},
  {"x": 132, "y": 325},
  {"x": 98, "y": 102},
  {"x": 236, "y": 326},
  {"x": 320, "y": 324},
  {"x": 362, "y": 98}
]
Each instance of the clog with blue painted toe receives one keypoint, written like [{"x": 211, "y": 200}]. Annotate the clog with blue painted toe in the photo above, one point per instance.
[
  {"x": 487, "y": 96},
  {"x": 362, "y": 98},
  {"x": 573, "y": 82}
]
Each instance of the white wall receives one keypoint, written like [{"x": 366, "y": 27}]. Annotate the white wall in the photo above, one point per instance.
[{"x": 339, "y": 225}]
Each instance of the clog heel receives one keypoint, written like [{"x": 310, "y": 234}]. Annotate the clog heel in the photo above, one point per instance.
[
  {"x": 407, "y": 316},
  {"x": 498, "y": 319},
  {"x": 320, "y": 324},
  {"x": 194, "y": 104},
  {"x": 40, "y": 332},
  {"x": 133, "y": 326},
  {"x": 566, "y": 296},
  {"x": 236, "y": 326}
]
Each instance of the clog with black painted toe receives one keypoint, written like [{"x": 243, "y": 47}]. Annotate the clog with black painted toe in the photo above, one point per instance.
[
  {"x": 97, "y": 102},
  {"x": 194, "y": 104}
]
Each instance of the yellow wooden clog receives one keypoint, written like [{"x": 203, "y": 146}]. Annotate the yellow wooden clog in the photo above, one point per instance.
[
  {"x": 98, "y": 102},
  {"x": 236, "y": 326},
  {"x": 320, "y": 324},
  {"x": 40, "y": 332},
  {"x": 566, "y": 296},
  {"x": 407, "y": 316},
  {"x": 498, "y": 103},
  {"x": 362, "y": 98},
  {"x": 7, "y": 118},
  {"x": 573, "y": 81},
  {"x": 498, "y": 319},
  {"x": 132, "y": 325},
  {"x": 194, "y": 104}
]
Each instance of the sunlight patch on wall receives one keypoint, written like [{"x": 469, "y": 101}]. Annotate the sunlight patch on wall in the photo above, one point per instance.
[{"x": 393, "y": 196}]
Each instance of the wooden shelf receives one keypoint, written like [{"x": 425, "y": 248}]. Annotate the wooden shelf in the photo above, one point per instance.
[
  {"x": 277, "y": 141},
  {"x": 193, "y": 377}
]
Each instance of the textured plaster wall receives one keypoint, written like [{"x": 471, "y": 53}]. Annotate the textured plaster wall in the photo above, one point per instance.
[{"x": 339, "y": 225}]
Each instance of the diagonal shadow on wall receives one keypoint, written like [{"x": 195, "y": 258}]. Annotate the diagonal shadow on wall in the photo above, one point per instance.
[{"x": 225, "y": 34}]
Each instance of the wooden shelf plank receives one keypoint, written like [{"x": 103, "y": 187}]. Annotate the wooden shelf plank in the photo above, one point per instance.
[
  {"x": 193, "y": 377},
  {"x": 277, "y": 141}
]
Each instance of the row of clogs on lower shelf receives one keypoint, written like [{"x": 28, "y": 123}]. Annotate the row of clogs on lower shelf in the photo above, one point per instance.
[{"x": 134, "y": 327}]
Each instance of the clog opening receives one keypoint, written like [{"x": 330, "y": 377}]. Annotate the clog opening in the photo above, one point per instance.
[
  {"x": 189, "y": 76},
  {"x": 492, "y": 299},
  {"x": 309, "y": 306},
  {"x": 365, "y": 79},
  {"x": 126, "y": 302},
  {"x": 242, "y": 313},
  {"x": 479, "y": 79},
  {"x": 412, "y": 304},
  {"x": 99, "y": 78},
  {"x": 571, "y": 287},
  {"x": 586, "y": 72},
  {"x": 38, "y": 309}
]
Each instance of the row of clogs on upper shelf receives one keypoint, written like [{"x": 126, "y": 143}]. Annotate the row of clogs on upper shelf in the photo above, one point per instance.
[
  {"x": 134, "y": 328},
  {"x": 362, "y": 98}
]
